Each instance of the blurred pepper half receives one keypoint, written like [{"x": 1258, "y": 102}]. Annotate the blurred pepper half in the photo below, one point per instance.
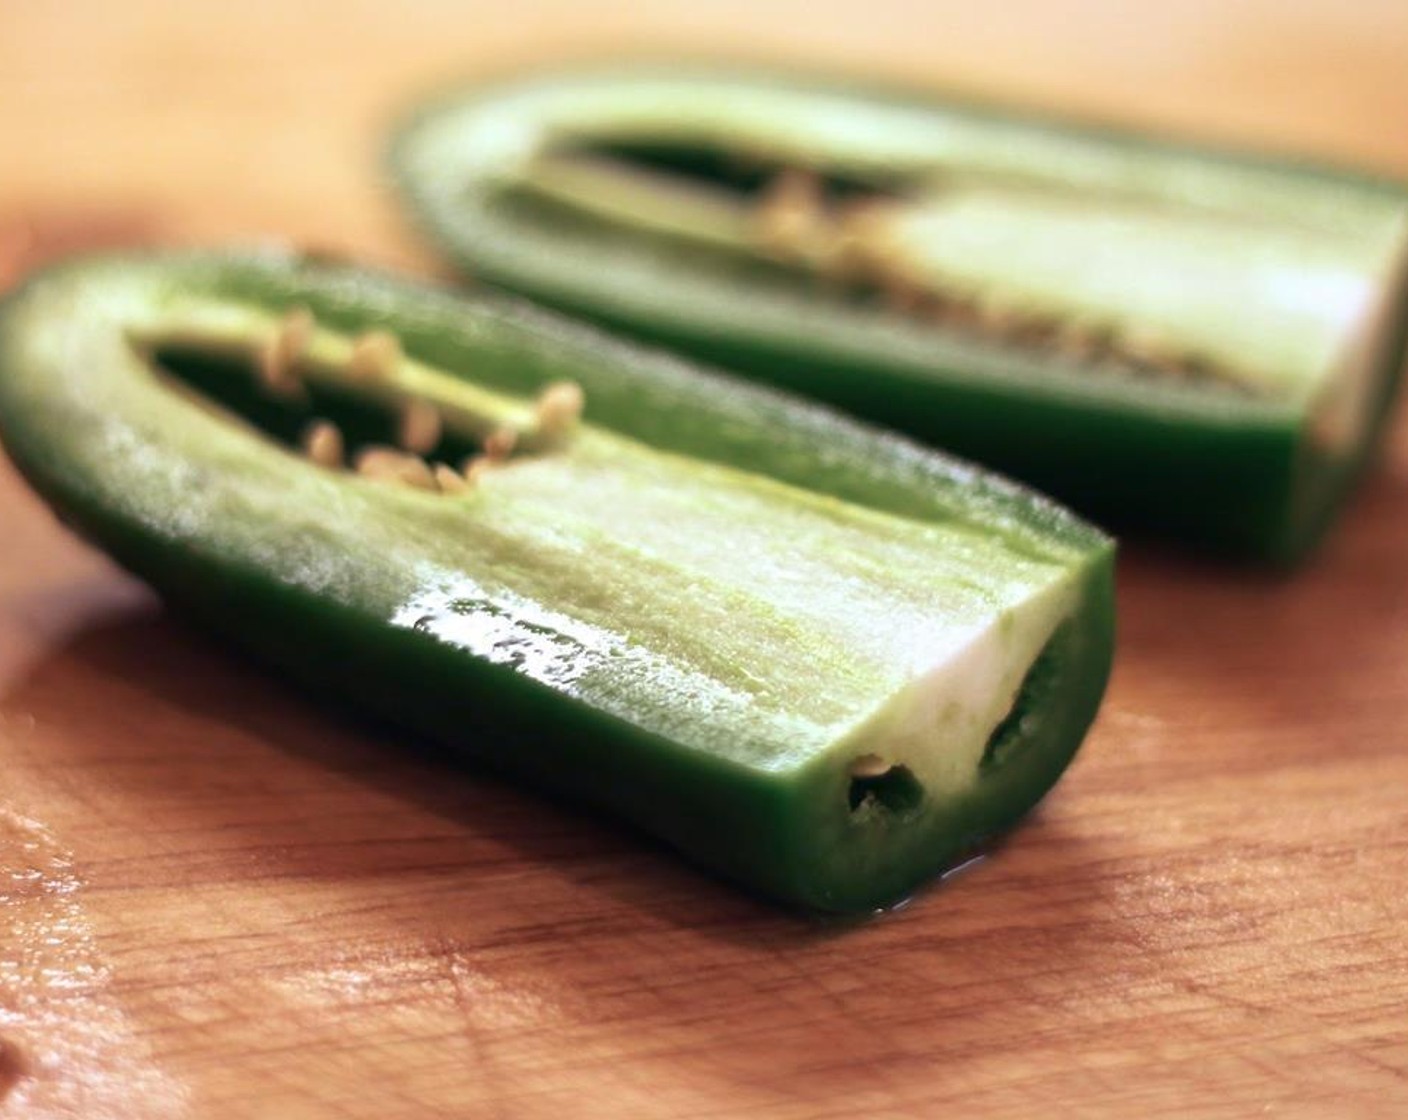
[{"x": 1197, "y": 343}]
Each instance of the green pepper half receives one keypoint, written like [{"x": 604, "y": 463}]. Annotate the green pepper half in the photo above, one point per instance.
[
  {"x": 1172, "y": 339},
  {"x": 812, "y": 656}
]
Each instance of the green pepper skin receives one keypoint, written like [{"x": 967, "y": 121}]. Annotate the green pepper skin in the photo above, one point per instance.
[
  {"x": 1240, "y": 476},
  {"x": 311, "y": 571}
]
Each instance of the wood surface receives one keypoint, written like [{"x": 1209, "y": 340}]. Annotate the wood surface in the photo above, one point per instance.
[{"x": 219, "y": 900}]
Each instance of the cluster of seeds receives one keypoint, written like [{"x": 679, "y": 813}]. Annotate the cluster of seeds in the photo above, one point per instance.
[
  {"x": 849, "y": 244},
  {"x": 375, "y": 355}
]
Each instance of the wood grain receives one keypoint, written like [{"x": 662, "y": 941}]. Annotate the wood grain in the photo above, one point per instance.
[{"x": 222, "y": 901}]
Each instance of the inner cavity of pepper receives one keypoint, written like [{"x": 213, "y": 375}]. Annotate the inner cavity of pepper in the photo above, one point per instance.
[
  {"x": 877, "y": 784},
  {"x": 1041, "y": 683},
  {"x": 844, "y": 230},
  {"x": 348, "y": 415}
]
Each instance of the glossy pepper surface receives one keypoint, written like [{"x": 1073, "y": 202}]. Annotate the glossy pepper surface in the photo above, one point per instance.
[
  {"x": 813, "y": 656},
  {"x": 1193, "y": 342}
]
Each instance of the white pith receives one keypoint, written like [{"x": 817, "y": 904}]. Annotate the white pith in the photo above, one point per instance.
[
  {"x": 938, "y": 725},
  {"x": 1345, "y": 407},
  {"x": 1270, "y": 304}
]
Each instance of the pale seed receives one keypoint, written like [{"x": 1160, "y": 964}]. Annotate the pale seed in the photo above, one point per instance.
[
  {"x": 375, "y": 355},
  {"x": 421, "y": 427},
  {"x": 323, "y": 444},
  {"x": 476, "y": 467},
  {"x": 870, "y": 766},
  {"x": 499, "y": 444},
  {"x": 559, "y": 407},
  {"x": 790, "y": 216},
  {"x": 450, "y": 480},
  {"x": 386, "y": 463},
  {"x": 283, "y": 349}
]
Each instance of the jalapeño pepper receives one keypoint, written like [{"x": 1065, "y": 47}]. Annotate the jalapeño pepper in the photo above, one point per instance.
[
  {"x": 814, "y": 657},
  {"x": 1174, "y": 339}
]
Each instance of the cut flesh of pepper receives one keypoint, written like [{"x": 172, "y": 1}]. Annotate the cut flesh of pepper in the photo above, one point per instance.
[
  {"x": 682, "y": 629},
  {"x": 1176, "y": 339}
]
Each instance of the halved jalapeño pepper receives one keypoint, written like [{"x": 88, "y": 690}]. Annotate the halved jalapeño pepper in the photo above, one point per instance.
[
  {"x": 1173, "y": 339},
  {"x": 814, "y": 657}
]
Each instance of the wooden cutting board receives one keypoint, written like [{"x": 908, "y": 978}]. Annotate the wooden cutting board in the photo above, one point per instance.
[{"x": 221, "y": 901}]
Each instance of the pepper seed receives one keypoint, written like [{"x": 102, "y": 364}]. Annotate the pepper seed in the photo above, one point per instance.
[
  {"x": 323, "y": 444},
  {"x": 450, "y": 480},
  {"x": 559, "y": 407},
  {"x": 282, "y": 351},
  {"x": 791, "y": 218},
  {"x": 870, "y": 766},
  {"x": 375, "y": 355},
  {"x": 388, "y": 464},
  {"x": 499, "y": 443},
  {"x": 421, "y": 426}
]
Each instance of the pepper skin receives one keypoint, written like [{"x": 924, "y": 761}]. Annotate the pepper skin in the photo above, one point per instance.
[
  {"x": 812, "y": 656},
  {"x": 1175, "y": 340}
]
